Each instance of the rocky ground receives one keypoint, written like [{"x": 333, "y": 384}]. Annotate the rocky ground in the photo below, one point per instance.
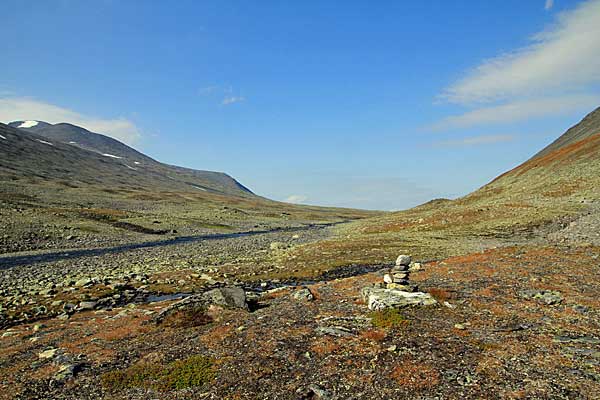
[
  {"x": 514, "y": 322},
  {"x": 41, "y": 285}
]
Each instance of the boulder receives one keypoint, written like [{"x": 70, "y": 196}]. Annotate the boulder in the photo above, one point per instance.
[
  {"x": 304, "y": 295},
  {"x": 380, "y": 299},
  {"x": 229, "y": 297}
]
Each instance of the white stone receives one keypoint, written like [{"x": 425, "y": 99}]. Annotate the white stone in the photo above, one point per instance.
[{"x": 379, "y": 299}]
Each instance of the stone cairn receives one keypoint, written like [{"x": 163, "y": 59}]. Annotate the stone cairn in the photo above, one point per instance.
[{"x": 398, "y": 276}]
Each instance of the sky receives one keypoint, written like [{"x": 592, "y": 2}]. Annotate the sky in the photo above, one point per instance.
[{"x": 377, "y": 105}]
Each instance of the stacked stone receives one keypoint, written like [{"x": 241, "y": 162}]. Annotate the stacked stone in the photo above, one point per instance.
[{"x": 398, "y": 277}]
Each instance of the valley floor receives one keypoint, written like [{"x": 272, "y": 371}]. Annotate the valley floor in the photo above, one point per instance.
[
  {"x": 489, "y": 337},
  {"x": 517, "y": 316}
]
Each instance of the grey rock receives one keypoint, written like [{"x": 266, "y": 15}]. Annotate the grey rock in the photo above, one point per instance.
[
  {"x": 338, "y": 331},
  {"x": 380, "y": 299},
  {"x": 83, "y": 282},
  {"x": 87, "y": 305},
  {"x": 548, "y": 297},
  {"x": 230, "y": 297},
  {"x": 403, "y": 259},
  {"x": 304, "y": 295}
]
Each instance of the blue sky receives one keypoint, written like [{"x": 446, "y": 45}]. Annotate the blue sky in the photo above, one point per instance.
[{"x": 380, "y": 105}]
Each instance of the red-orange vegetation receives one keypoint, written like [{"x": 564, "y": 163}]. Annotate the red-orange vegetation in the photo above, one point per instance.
[{"x": 415, "y": 375}]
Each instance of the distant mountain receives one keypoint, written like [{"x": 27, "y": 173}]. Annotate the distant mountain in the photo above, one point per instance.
[
  {"x": 68, "y": 152},
  {"x": 82, "y": 138}
]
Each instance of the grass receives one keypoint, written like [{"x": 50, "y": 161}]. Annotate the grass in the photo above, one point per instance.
[
  {"x": 194, "y": 371},
  {"x": 387, "y": 319}
]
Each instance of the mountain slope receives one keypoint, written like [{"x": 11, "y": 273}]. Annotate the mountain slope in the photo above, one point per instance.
[
  {"x": 122, "y": 160},
  {"x": 80, "y": 137},
  {"x": 589, "y": 126},
  {"x": 534, "y": 201}
]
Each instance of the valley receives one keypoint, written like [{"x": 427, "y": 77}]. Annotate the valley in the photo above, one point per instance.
[{"x": 154, "y": 289}]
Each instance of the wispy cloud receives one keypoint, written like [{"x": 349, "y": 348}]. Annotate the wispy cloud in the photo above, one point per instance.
[
  {"x": 22, "y": 108},
  {"x": 565, "y": 56},
  {"x": 232, "y": 99},
  {"x": 518, "y": 111},
  {"x": 207, "y": 90},
  {"x": 549, "y": 4},
  {"x": 296, "y": 198},
  {"x": 227, "y": 94},
  {"x": 474, "y": 141}
]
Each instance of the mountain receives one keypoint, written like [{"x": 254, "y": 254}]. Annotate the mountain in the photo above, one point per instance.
[
  {"x": 103, "y": 159},
  {"x": 80, "y": 137},
  {"x": 553, "y": 196},
  {"x": 104, "y": 193}
]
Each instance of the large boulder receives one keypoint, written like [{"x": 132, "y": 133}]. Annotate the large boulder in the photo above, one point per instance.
[
  {"x": 228, "y": 297},
  {"x": 380, "y": 299}
]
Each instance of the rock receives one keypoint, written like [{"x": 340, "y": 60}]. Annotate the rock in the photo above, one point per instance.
[
  {"x": 50, "y": 353},
  {"x": 338, "y": 331},
  {"x": 83, "y": 282},
  {"x": 230, "y": 297},
  {"x": 87, "y": 305},
  {"x": 415, "y": 266},
  {"x": 66, "y": 371},
  {"x": 400, "y": 275},
  {"x": 380, "y": 299},
  {"x": 548, "y": 297},
  {"x": 407, "y": 287},
  {"x": 313, "y": 392},
  {"x": 304, "y": 295},
  {"x": 460, "y": 327},
  {"x": 387, "y": 278},
  {"x": 403, "y": 260},
  {"x": 38, "y": 327}
]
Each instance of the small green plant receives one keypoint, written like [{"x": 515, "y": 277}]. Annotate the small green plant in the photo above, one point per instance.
[
  {"x": 388, "y": 318},
  {"x": 193, "y": 371}
]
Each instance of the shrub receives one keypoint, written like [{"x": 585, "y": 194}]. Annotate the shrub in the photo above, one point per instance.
[
  {"x": 193, "y": 371},
  {"x": 388, "y": 318}
]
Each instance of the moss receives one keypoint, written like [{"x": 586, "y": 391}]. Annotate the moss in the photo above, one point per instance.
[
  {"x": 196, "y": 370},
  {"x": 388, "y": 318}
]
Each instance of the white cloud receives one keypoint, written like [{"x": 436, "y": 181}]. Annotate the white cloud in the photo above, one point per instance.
[
  {"x": 19, "y": 108},
  {"x": 565, "y": 56},
  {"x": 518, "y": 111},
  {"x": 296, "y": 198},
  {"x": 232, "y": 99},
  {"x": 549, "y": 4},
  {"x": 475, "y": 141}
]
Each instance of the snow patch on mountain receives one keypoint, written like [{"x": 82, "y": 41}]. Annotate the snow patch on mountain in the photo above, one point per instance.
[
  {"x": 43, "y": 141},
  {"x": 111, "y": 155},
  {"x": 27, "y": 124}
]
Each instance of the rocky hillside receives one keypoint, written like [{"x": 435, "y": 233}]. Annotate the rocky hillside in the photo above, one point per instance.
[{"x": 116, "y": 159}]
